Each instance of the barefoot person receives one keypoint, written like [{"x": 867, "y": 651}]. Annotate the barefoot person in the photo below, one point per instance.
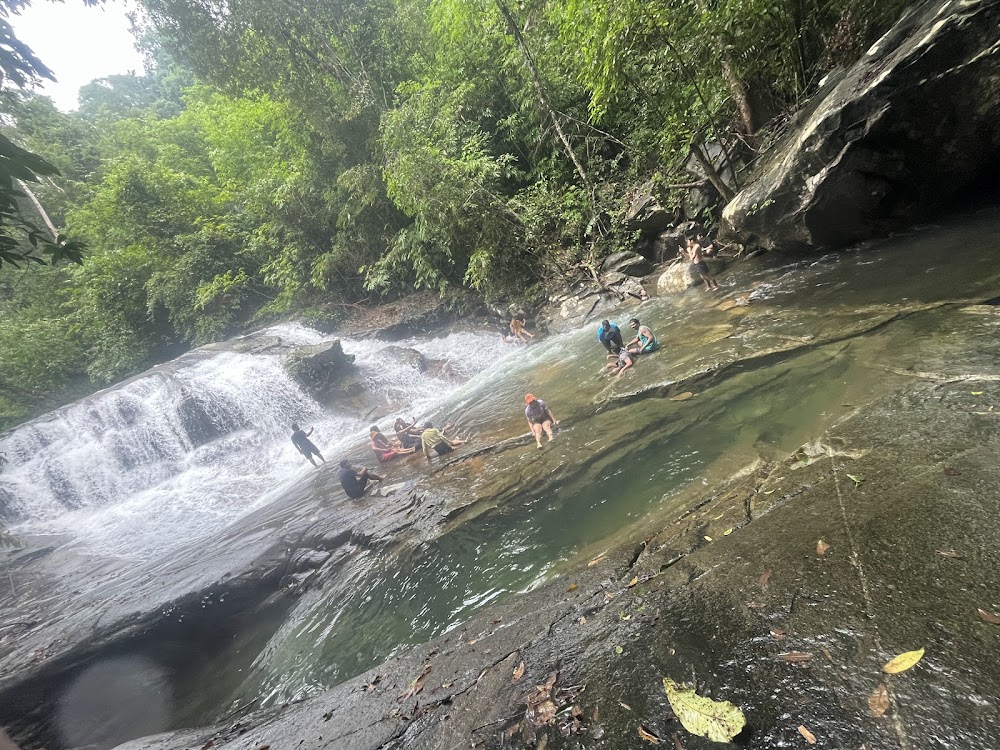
[
  {"x": 434, "y": 439},
  {"x": 694, "y": 254},
  {"x": 300, "y": 440},
  {"x": 540, "y": 418},
  {"x": 407, "y": 434},
  {"x": 645, "y": 341},
  {"x": 518, "y": 331},
  {"x": 355, "y": 482},
  {"x": 623, "y": 361},
  {"x": 383, "y": 448}
]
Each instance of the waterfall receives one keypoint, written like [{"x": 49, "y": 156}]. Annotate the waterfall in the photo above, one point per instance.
[{"x": 181, "y": 450}]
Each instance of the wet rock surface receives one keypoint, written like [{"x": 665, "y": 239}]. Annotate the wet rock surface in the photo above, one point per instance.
[
  {"x": 914, "y": 121},
  {"x": 780, "y": 591}
]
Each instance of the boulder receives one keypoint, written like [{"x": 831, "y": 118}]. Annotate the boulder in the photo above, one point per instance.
[
  {"x": 645, "y": 214},
  {"x": 628, "y": 263},
  {"x": 677, "y": 278},
  {"x": 666, "y": 244},
  {"x": 319, "y": 368},
  {"x": 405, "y": 356},
  {"x": 914, "y": 121}
]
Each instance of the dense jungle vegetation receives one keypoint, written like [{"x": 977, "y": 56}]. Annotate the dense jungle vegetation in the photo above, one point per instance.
[{"x": 281, "y": 158}]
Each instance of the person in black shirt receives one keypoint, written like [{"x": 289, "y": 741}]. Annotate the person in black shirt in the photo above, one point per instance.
[
  {"x": 355, "y": 482},
  {"x": 300, "y": 440}
]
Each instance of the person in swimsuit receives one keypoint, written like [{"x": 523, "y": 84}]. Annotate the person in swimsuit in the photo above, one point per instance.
[
  {"x": 434, "y": 439},
  {"x": 518, "y": 330},
  {"x": 407, "y": 434},
  {"x": 610, "y": 336},
  {"x": 694, "y": 254},
  {"x": 355, "y": 482},
  {"x": 300, "y": 440},
  {"x": 540, "y": 418},
  {"x": 645, "y": 341},
  {"x": 383, "y": 448},
  {"x": 622, "y": 362}
]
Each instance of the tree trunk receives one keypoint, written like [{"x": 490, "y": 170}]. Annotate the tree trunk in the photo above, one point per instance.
[
  {"x": 540, "y": 93},
  {"x": 713, "y": 176},
  {"x": 739, "y": 92},
  {"x": 39, "y": 209}
]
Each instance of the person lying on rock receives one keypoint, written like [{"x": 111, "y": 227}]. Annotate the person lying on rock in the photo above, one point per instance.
[
  {"x": 622, "y": 362},
  {"x": 645, "y": 341},
  {"x": 434, "y": 439},
  {"x": 356, "y": 482},
  {"x": 407, "y": 434},
  {"x": 610, "y": 335},
  {"x": 305, "y": 446},
  {"x": 383, "y": 448},
  {"x": 694, "y": 253},
  {"x": 518, "y": 330},
  {"x": 540, "y": 418}
]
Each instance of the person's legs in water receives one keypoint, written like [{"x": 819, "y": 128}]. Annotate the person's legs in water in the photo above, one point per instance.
[
  {"x": 547, "y": 426},
  {"x": 316, "y": 451},
  {"x": 536, "y": 431}
]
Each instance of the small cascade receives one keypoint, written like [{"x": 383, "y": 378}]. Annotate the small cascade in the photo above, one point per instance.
[{"x": 180, "y": 451}]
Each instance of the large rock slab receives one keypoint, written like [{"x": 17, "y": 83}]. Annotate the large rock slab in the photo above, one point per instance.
[{"x": 914, "y": 121}]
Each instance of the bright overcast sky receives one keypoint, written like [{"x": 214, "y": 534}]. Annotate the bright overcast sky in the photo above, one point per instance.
[{"x": 79, "y": 43}]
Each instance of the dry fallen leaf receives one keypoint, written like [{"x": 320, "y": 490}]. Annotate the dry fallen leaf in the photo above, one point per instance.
[
  {"x": 951, "y": 471},
  {"x": 794, "y": 656},
  {"x": 626, "y": 706},
  {"x": 821, "y": 547},
  {"x": 648, "y": 736},
  {"x": 708, "y": 538},
  {"x": 571, "y": 588},
  {"x": 949, "y": 553},
  {"x": 809, "y": 736},
  {"x": 989, "y": 617},
  {"x": 719, "y": 721},
  {"x": 903, "y": 661},
  {"x": 682, "y": 396},
  {"x": 763, "y": 578},
  {"x": 778, "y": 633},
  {"x": 596, "y": 560},
  {"x": 727, "y": 532},
  {"x": 977, "y": 393},
  {"x": 518, "y": 672},
  {"x": 827, "y": 654},
  {"x": 583, "y": 620},
  {"x": 633, "y": 582},
  {"x": 878, "y": 701}
]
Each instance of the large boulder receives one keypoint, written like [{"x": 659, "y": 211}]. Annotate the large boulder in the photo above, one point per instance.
[
  {"x": 645, "y": 214},
  {"x": 319, "y": 368},
  {"x": 913, "y": 122},
  {"x": 677, "y": 278},
  {"x": 628, "y": 263}
]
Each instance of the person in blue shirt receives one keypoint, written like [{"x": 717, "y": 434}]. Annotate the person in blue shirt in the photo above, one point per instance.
[
  {"x": 610, "y": 336},
  {"x": 645, "y": 341}
]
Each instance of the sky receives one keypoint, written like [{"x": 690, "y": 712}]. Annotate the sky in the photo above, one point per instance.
[{"x": 79, "y": 43}]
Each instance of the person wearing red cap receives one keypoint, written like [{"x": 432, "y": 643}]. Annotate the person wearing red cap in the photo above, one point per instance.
[{"x": 539, "y": 417}]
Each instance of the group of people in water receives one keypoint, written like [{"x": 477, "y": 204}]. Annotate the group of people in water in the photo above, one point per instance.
[{"x": 409, "y": 437}]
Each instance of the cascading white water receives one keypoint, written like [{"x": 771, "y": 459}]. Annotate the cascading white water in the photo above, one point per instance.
[{"x": 181, "y": 451}]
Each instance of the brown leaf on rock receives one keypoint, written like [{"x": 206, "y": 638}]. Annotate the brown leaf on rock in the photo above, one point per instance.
[
  {"x": 682, "y": 396},
  {"x": 677, "y": 742},
  {"x": 207, "y": 745},
  {"x": 576, "y": 712},
  {"x": 827, "y": 654},
  {"x": 648, "y": 736},
  {"x": 626, "y": 706},
  {"x": 597, "y": 559},
  {"x": 417, "y": 684},
  {"x": 545, "y": 713},
  {"x": 633, "y": 582},
  {"x": 763, "y": 578},
  {"x": 821, "y": 548},
  {"x": 989, "y": 617},
  {"x": 778, "y": 633},
  {"x": 809, "y": 736},
  {"x": 518, "y": 672},
  {"x": 951, "y": 471},
  {"x": 264, "y": 747},
  {"x": 597, "y": 710},
  {"x": 878, "y": 701},
  {"x": 571, "y": 588},
  {"x": 794, "y": 656},
  {"x": 949, "y": 553}
]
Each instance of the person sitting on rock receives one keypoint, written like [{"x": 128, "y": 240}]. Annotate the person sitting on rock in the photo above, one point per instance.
[
  {"x": 540, "y": 418},
  {"x": 610, "y": 335},
  {"x": 383, "y": 448},
  {"x": 708, "y": 246},
  {"x": 694, "y": 251},
  {"x": 300, "y": 440},
  {"x": 356, "y": 482},
  {"x": 407, "y": 434},
  {"x": 434, "y": 439},
  {"x": 623, "y": 360},
  {"x": 645, "y": 341},
  {"x": 518, "y": 331}
]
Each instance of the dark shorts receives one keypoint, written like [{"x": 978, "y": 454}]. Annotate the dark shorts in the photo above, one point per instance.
[
  {"x": 702, "y": 268},
  {"x": 408, "y": 441},
  {"x": 542, "y": 420},
  {"x": 356, "y": 490},
  {"x": 443, "y": 448}
]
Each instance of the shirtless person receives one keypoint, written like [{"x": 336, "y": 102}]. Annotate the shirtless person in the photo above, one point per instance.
[
  {"x": 693, "y": 252},
  {"x": 518, "y": 330},
  {"x": 355, "y": 482},
  {"x": 645, "y": 341},
  {"x": 300, "y": 440}
]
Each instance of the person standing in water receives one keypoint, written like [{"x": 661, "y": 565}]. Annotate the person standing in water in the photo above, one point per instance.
[
  {"x": 434, "y": 439},
  {"x": 355, "y": 482},
  {"x": 610, "y": 336},
  {"x": 645, "y": 341},
  {"x": 305, "y": 446},
  {"x": 540, "y": 418}
]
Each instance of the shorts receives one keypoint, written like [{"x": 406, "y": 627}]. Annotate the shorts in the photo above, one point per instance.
[
  {"x": 702, "y": 268},
  {"x": 443, "y": 448}
]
